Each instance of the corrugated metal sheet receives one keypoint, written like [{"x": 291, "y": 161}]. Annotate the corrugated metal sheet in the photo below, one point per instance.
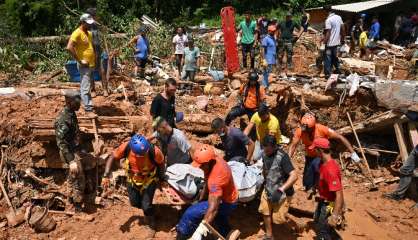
[{"x": 362, "y": 6}]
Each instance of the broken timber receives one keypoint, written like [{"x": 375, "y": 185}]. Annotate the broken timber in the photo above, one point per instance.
[
  {"x": 401, "y": 140},
  {"x": 44, "y": 128},
  {"x": 374, "y": 123}
]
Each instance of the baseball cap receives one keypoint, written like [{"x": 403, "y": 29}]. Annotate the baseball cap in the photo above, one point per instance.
[
  {"x": 87, "y": 18},
  {"x": 319, "y": 143}
]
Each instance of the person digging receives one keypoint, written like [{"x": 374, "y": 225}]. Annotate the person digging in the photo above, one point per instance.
[{"x": 144, "y": 165}]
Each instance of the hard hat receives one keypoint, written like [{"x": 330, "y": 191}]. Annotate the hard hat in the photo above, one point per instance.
[
  {"x": 253, "y": 76},
  {"x": 320, "y": 143},
  {"x": 139, "y": 145},
  {"x": 308, "y": 120},
  {"x": 271, "y": 28},
  {"x": 203, "y": 154}
]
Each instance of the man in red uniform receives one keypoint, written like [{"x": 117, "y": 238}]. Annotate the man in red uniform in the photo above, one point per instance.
[
  {"x": 144, "y": 165},
  {"x": 221, "y": 200},
  {"x": 329, "y": 212},
  {"x": 309, "y": 131}
]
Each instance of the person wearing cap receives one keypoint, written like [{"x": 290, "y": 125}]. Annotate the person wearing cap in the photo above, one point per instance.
[
  {"x": 144, "y": 166},
  {"x": 334, "y": 35},
  {"x": 248, "y": 30},
  {"x": 269, "y": 54},
  {"x": 191, "y": 61},
  {"x": 141, "y": 51},
  {"x": 174, "y": 144},
  {"x": 329, "y": 211},
  {"x": 220, "y": 193},
  {"x": 94, "y": 29},
  {"x": 236, "y": 145},
  {"x": 80, "y": 46},
  {"x": 251, "y": 95},
  {"x": 164, "y": 104},
  {"x": 307, "y": 132},
  {"x": 280, "y": 176},
  {"x": 82, "y": 165},
  {"x": 286, "y": 39}
]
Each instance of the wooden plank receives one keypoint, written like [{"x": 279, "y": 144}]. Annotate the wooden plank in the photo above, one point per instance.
[
  {"x": 413, "y": 133},
  {"x": 401, "y": 140}
]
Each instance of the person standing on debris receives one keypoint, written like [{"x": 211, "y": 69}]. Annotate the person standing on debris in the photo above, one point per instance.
[
  {"x": 236, "y": 144},
  {"x": 269, "y": 54},
  {"x": 82, "y": 166},
  {"x": 163, "y": 105},
  {"x": 262, "y": 25},
  {"x": 80, "y": 46},
  {"x": 191, "y": 60},
  {"x": 173, "y": 142},
  {"x": 329, "y": 211},
  {"x": 407, "y": 176},
  {"x": 364, "y": 52},
  {"x": 179, "y": 42},
  {"x": 335, "y": 32},
  {"x": 307, "y": 132},
  {"x": 286, "y": 40},
  {"x": 250, "y": 98},
  {"x": 356, "y": 30},
  {"x": 248, "y": 31},
  {"x": 144, "y": 165},
  {"x": 94, "y": 29},
  {"x": 305, "y": 20},
  {"x": 265, "y": 124},
  {"x": 280, "y": 177},
  {"x": 374, "y": 32},
  {"x": 142, "y": 51},
  {"x": 221, "y": 197}
]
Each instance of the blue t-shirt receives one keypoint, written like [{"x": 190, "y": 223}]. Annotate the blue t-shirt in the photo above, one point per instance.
[
  {"x": 269, "y": 45},
  {"x": 142, "y": 45},
  {"x": 375, "y": 31}
]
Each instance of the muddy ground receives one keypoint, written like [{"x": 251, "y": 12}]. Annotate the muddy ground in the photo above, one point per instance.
[{"x": 369, "y": 215}]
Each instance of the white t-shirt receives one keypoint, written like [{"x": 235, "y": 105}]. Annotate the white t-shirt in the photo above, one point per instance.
[
  {"x": 180, "y": 42},
  {"x": 333, "y": 24}
]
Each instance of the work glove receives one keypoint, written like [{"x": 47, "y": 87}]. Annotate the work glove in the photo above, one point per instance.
[
  {"x": 105, "y": 183},
  {"x": 277, "y": 196},
  {"x": 201, "y": 231},
  {"x": 74, "y": 168},
  {"x": 355, "y": 157}
]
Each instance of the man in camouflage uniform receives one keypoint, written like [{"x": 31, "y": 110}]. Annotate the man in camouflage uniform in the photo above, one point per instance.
[
  {"x": 82, "y": 172},
  {"x": 286, "y": 40}
]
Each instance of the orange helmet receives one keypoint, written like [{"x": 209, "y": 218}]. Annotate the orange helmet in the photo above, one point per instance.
[
  {"x": 308, "y": 120},
  {"x": 203, "y": 154},
  {"x": 271, "y": 28}
]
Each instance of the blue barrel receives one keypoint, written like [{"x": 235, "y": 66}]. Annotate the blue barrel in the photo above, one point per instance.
[{"x": 72, "y": 70}]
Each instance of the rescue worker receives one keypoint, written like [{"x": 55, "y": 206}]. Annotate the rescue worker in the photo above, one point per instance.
[
  {"x": 144, "y": 165},
  {"x": 265, "y": 124},
  {"x": 269, "y": 54},
  {"x": 82, "y": 172},
  {"x": 237, "y": 145},
  {"x": 221, "y": 198},
  {"x": 329, "y": 212},
  {"x": 174, "y": 144},
  {"x": 286, "y": 40},
  {"x": 280, "y": 176},
  {"x": 252, "y": 94},
  {"x": 407, "y": 176},
  {"x": 308, "y": 131}
]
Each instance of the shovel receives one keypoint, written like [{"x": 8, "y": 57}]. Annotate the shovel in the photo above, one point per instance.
[{"x": 233, "y": 235}]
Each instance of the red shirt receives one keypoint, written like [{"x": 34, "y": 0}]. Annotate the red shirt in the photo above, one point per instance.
[
  {"x": 221, "y": 183},
  {"x": 329, "y": 180}
]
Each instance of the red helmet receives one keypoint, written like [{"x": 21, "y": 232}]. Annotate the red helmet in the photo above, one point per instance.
[
  {"x": 203, "y": 154},
  {"x": 308, "y": 120}
]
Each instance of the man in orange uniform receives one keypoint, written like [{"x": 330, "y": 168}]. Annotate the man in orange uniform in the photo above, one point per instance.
[
  {"x": 144, "y": 166},
  {"x": 252, "y": 94},
  {"x": 221, "y": 200},
  {"x": 308, "y": 131}
]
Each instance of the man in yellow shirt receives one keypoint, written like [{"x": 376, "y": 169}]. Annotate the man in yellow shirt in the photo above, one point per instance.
[
  {"x": 80, "y": 46},
  {"x": 266, "y": 124},
  {"x": 363, "y": 44}
]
